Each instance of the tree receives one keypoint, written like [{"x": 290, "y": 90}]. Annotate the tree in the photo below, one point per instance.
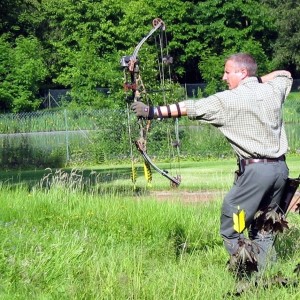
[
  {"x": 202, "y": 33},
  {"x": 82, "y": 39},
  {"x": 20, "y": 17},
  {"x": 286, "y": 46},
  {"x": 211, "y": 30},
  {"x": 22, "y": 70},
  {"x": 81, "y": 42}
]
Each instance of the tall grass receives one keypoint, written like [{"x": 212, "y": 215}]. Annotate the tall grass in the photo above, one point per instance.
[
  {"x": 58, "y": 120},
  {"x": 292, "y": 108},
  {"x": 61, "y": 242}
]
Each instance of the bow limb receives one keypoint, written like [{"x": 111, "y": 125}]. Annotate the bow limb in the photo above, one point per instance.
[
  {"x": 175, "y": 181},
  {"x": 157, "y": 24}
]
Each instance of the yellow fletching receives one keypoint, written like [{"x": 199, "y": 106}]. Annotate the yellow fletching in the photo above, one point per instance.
[
  {"x": 147, "y": 172},
  {"x": 239, "y": 221},
  {"x": 133, "y": 174}
]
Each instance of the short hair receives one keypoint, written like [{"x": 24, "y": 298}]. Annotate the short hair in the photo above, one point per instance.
[{"x": 245, "y": 60}]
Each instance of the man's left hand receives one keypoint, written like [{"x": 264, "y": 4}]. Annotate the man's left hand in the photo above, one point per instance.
[{"x": 142, "y": 110}]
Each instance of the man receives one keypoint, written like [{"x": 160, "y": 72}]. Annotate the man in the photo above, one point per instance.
[{"x": 249, "y": 114}]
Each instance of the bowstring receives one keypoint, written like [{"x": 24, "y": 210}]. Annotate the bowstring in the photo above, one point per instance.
[
  {"x": 133, "y": 167},
  {"x": 162, "y": 64}
]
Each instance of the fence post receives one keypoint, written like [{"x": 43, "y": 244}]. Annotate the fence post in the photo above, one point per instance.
[{"x": 67, "y": 135}]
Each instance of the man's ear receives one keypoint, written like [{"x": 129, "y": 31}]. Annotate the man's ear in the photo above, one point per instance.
[{"x": 244, "y": 73}]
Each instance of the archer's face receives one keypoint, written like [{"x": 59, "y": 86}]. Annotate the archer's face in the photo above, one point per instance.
[{"x": 233, "y": 74}]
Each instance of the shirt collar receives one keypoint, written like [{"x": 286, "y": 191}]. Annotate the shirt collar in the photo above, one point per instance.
[{"x": 248, "y": 80}]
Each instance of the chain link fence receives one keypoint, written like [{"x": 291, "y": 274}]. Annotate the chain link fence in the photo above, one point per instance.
[
  {"x": 66, "y": 137},
  {"x": 54, "y": 97},
  {"x": 46, "y": 138},
  {"x": 62, "y": 137}
]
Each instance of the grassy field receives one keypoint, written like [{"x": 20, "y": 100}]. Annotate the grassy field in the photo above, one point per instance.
[
  {"x": 196, "y": 175},
  {"x": 91, "y": 236}
]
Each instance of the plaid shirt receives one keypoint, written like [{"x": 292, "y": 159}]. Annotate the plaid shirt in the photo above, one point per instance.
[{"x": 249, "y": 116}]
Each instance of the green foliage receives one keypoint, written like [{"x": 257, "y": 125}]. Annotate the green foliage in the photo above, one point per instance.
[
  {"x": 103, "y": 136},
  {"x": 230, "y": 27},
  {"x": 292, "y": 108},
  {"x": 82, "y": 43},
  {"x": 22, "y": 71},
  {"x": 286, "y": 45},
  {"x": 82, "y": 38},
  {"x": 20, "y": 154},
  {"x": 110, "y": 140}
]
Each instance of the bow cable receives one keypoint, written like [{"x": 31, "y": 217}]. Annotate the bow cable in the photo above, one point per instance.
[
  {"x": 130, "y": 64},
  {"x": 165, "y": 61}
]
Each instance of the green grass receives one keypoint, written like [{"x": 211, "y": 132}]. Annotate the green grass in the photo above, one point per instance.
[
  {"x": 292, "y": 108},
  {"x": 68, "y": 242},
  {"x": 68, "y": 245},
  {"x": 94, "y": 136},
  {"x": 196, "y": 175}
]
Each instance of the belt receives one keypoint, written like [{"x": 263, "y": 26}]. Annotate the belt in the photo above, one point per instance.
[{"x": 249, "y": 161}]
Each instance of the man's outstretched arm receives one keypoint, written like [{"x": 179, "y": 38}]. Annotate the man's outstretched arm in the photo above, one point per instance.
[{"x": 167, "y": 111}]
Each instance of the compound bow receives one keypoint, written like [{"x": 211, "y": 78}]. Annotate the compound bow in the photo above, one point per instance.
[{"x": 130, "y": 65}]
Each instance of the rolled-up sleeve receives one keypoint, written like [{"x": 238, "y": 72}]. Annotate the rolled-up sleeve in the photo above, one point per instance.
[
  {"x": 283, "y": 83},
  {"x": 209, "y": 110}
]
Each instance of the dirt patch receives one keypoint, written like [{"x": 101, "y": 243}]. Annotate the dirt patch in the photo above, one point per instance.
[
  {"x": 188, "y": 197},
  {"x": 203, "y": 196}
]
